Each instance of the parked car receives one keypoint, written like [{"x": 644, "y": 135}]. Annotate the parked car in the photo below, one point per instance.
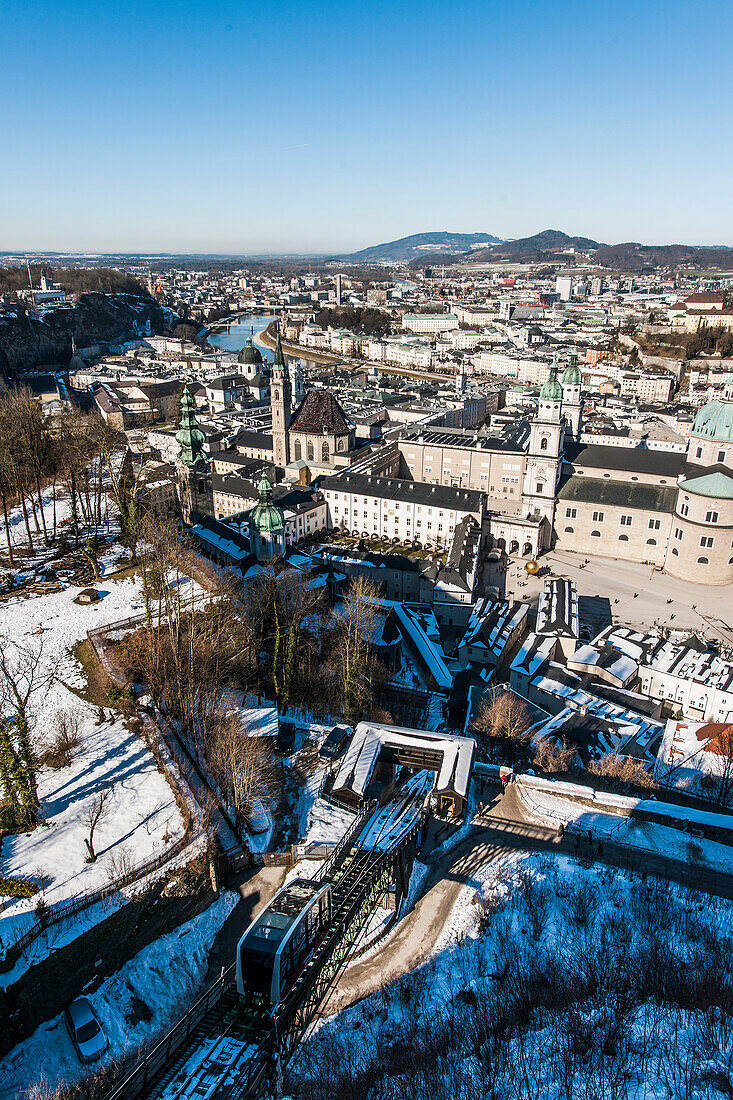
[
  {"x": 85, "y": 1030},
  {"x": 335, "y": 743},
  {"x": 285, "y": 743}
]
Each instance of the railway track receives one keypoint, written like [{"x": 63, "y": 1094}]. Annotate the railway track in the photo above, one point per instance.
[{"x": 223, "y": 1048}]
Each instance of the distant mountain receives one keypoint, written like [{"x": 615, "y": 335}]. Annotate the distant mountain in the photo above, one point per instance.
[
  {"x": 541, "y": 246},
  {"x": 411, "y": 248}
]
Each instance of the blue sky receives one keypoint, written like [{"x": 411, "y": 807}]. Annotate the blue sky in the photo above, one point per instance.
[{"x": 239, "y": 127}]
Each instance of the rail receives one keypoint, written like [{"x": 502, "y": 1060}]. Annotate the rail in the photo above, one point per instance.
[
  {"x": 136, "y": 1082},
  {"x": 359, "y": 877}
]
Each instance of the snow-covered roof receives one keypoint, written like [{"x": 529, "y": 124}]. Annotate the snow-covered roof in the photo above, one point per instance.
[{"x": 453, "y": 756}]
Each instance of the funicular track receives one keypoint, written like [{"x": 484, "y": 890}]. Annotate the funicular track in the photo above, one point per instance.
[{"x": 223, "y": 1048}]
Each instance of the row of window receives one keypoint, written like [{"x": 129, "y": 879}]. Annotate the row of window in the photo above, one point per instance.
[
  {"x": 624, "y": 521},
  {"x": 710, "y": 517}
]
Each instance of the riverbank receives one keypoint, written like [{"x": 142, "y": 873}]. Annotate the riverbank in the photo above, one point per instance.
[{"x": 328, "y": 359}]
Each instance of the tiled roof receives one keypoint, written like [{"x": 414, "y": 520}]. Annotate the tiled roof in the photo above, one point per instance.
[{"x": 319, "y": 412}]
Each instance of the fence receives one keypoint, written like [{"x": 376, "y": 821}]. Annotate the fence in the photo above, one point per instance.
[{"x": 84, "y": 901}]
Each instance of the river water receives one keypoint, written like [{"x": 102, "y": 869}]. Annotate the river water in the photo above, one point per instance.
[{"x": 237, "y": 334}]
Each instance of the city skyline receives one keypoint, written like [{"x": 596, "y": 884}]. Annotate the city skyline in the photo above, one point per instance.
[{"x": 240, "y": 129}]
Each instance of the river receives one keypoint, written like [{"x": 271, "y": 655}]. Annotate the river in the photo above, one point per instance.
[{"x": 235, "y": 337}]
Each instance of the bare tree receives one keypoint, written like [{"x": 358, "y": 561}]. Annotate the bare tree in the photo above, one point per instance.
[
  {"x": 624, "y": 769},
  {"x": 23, "y": 675},
  {"x": 505, "y": 718},
  {"x": 243, "y": 764},
  {"x": 551, "y": 757},
  {"x": 97, "y": 810},
  {"x": 354, "y": 622}
]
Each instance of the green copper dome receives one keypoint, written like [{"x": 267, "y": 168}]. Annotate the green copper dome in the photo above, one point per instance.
[
  {"x": 572, "y": 376},
  {"x": 715, "y": 421},
  {"x": 189, "y": 435},
  {"x": 552, "y": 390},
  {"x": 266, "y": 516}
]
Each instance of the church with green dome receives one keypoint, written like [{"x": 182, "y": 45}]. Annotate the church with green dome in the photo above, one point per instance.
[{"x": 267, "y": 525}]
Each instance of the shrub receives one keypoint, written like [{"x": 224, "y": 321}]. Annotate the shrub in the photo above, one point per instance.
[
  {"x": 17, "y": 888},
  {"x": 59, "y": 752}
]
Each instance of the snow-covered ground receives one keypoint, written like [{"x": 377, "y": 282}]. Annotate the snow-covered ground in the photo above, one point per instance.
[
  {"x": 630, "y": 832},
  {"x": 142, "y": 815},
  {"x": 550, "y": 980},
  {"x": 161, "y": 978}
]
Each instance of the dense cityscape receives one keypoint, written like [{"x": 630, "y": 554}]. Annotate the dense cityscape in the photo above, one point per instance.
[{"x": 366, "y": 606}]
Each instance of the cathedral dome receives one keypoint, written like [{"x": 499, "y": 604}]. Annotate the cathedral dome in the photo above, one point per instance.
[
  {"x": 250, "y": 354},
  {"x": 714, "y": 421}
]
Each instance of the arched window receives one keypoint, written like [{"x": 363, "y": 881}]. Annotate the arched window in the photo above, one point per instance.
[
  {"x": 324, "y": 452},
  {"x": 311, "y": 453},
  {"x": 623, "y": 538},
  {"x": 543, "y": 443},
  {"x": 595, "y": 534},
  {"x": 651, "y": 542},
  {"x": 341, "y": 444},
  {"x": 703, "y": 561},
  {"x": 675, "y": 552},
  {"x": 298, "y": 451},
  {"x": 569, "y": 530}
]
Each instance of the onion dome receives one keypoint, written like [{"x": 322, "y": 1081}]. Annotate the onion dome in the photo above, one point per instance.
[
  {"x": 266, "y": 516},
  {"x": 552, "y": 390}
]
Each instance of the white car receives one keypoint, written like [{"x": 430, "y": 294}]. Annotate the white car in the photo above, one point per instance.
[{"x": 85, "y": 1030}]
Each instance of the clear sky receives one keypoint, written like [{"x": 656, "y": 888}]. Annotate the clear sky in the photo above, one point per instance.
[{"x": 292, "y": 126}]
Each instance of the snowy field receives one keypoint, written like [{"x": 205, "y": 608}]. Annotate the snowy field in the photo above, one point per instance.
[
  {"x": 158, "y": 982},
  {"x": 142, "y": 816},
  {"x": 551, "y": 981}
]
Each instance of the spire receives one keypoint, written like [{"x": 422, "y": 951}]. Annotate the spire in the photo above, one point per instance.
[
  {"x": 189, "y": 435},
  {"x": 279, "y": 360}
]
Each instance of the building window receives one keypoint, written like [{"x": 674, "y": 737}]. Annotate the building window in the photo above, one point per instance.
[
  {"x": 675, "y": 552},
  {"x": 677, "y": 533},
  {"x": 711, "y": 517},
  {"x": 595, "y": 534},
  {"x": 721, "y": 456},
  {"x": 598, "y": 517},
  {"x": 626, "y": 521},
  {"x": 703, "y": 561},
  {"x": 623, "y": 538},
  {"x": 569, "y": 531},
  {"x": 707, "y": 542},
  {"x": 654, "y": 524},
  {"x": 540, "y": 486},
  {"x": 684, "y": 509},
  {"x": 311, "y": 452},
  {"x": 298, "y": 451},
  {"x": 571, "y": 513},
  {"x": 698, "y": 452}
]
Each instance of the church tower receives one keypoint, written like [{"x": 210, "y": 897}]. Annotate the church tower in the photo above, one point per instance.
[
  {"x": 546, "y": 439},
  {"x": 195, "y": 493},
  {"x": 281, "y": 398},
  {"x": 572, "y": 403}
]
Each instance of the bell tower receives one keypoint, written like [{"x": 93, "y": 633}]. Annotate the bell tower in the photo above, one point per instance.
[
  {"x": 281, "y": 400},
  {"x": 546, "y": 437},
  {"x": 195, "y": 492}
]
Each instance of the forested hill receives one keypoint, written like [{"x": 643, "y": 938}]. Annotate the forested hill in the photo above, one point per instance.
[
  {"x": 409, "y": 248},
  {"x": 30, "y": 342}
]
